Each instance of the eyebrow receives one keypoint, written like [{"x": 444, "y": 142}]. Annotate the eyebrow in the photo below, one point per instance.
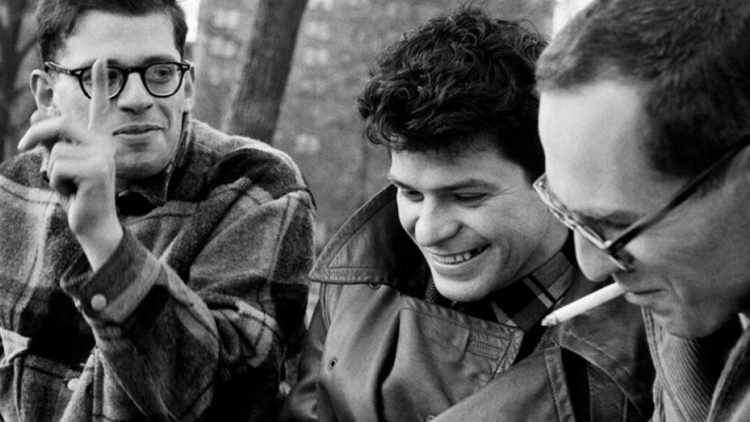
[
  {"x": 147, "y": 60},
  {"x": 463, "y": 184},
  {"x": 144, "y": 61}
]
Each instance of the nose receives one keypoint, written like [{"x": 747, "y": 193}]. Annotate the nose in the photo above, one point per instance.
[
  {"x": 434, "y": 223},
  {"x": 595, "y": 264},
  {"x": 134, "y": 97}
]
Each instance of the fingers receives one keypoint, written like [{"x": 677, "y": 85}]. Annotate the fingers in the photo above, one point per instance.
[
  {"x": 59, "y": 175},
  {"x": 38, "y": 115},
  {"x": 47, "y": 129},
  {"x": 99, "y": 95},
  {"x": 45, "y": 133}
]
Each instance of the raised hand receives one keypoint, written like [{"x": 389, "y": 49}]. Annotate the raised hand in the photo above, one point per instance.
[{"x": 81, "y": 168}]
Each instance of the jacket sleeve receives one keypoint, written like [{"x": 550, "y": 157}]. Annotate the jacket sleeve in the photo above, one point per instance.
[
  {"x": 302, "y": 402},
  {"x": 204, "y": 341}
]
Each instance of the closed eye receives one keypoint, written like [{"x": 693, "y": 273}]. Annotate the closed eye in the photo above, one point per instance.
[
  {"x": 608, "y": 228},
  {"x": 470, "y": 197},
  {"x": 410, "y": 194}
]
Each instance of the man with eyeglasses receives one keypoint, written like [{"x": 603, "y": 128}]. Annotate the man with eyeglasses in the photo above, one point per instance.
[
  {"x": 153, "y": 268},
  {"x": 644, "y": 119}
]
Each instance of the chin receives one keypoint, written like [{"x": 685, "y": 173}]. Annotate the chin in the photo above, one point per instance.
[
  {"x": 459, "y": 290},
  {"x": 686, "y": 327}
]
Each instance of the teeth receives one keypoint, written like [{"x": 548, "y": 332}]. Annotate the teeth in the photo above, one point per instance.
[{"x": 458, "y": 258}]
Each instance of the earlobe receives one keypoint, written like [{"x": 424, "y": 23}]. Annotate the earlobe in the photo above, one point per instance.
[{"x": 42, "y": 88}]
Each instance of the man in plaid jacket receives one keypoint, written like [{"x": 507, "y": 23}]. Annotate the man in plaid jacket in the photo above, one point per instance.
[{"x": 152, "y": 267}]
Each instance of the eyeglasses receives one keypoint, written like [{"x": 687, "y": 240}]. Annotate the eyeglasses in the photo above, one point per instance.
[
  {"x": 162, "y": 79},
  {"x": 614, "y": 247}
]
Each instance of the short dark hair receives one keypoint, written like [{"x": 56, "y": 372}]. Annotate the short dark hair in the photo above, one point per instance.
[
  {"x": 56, "y": 19},
  {"x": 690, "y": 58},
  {"x": 454, "y": 80}
]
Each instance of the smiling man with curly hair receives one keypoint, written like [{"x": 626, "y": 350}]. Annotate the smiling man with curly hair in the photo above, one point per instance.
[{"x": 433, "y": 292}]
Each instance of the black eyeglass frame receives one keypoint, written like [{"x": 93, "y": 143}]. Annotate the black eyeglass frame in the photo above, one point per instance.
[
  {"x": 182, "y": 67},
  {"x": 614, "y": 248}
]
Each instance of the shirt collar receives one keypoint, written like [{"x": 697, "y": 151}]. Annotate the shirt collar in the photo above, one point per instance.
[
  {"x": 525, "y": 302},
  {"x": 146, "y": 194}
]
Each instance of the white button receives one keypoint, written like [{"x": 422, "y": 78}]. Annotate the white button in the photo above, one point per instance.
[
  {"x": 98, "y": 302},
  {"x": 73, "y": 384}
]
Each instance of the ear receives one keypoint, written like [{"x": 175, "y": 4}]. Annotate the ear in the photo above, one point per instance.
[
  {"x": 43, "y": 89},
  {"x": 189, "y": 86}
]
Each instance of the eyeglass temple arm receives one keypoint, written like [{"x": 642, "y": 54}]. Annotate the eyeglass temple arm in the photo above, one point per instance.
[{"x": 681, "y": 196}]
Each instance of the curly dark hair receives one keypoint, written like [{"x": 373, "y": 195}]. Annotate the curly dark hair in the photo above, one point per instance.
[{"x": 456, "y": 79}]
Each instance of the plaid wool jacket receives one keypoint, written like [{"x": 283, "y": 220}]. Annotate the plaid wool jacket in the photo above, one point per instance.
[{"x": 190, "y": 317}]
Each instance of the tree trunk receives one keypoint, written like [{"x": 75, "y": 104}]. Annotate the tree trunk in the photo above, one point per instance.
[
  {"x": 257, "y": 99},
  {"x": 15, "y": 44}
]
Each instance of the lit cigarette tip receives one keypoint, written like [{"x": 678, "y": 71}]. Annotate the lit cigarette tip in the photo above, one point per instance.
[
  {"x": 550, "y": 320},
  {"x": 583, "y": 304}
]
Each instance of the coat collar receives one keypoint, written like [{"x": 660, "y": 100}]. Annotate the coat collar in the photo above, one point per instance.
[{"x": 349, "y": 259}]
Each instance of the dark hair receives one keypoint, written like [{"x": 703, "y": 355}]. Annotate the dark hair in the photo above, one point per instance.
[
  {"x": 454, "y": 80},
  {"x": 56, "y": 19},
  {"x": 690, "y": 58}
]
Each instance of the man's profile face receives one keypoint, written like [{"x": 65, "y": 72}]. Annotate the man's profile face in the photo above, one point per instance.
[
  {"x": 690, "y": 268},
  {"x": 146, "y": 129},
  {"x": 475, "y": 218}
]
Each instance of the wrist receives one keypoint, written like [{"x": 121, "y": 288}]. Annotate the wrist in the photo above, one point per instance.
[{"x": 100, "y": 244}]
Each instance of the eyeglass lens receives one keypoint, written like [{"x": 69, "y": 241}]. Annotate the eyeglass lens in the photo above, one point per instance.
[{"x": 160, "y": 79}]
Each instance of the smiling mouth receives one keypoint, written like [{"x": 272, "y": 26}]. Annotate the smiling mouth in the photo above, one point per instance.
[
  {"x": 459, "y": 258},
  {"x": 136, "y": 130}
]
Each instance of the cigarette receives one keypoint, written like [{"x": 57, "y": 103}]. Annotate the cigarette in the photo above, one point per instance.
[{"x": 583, "y": 304}]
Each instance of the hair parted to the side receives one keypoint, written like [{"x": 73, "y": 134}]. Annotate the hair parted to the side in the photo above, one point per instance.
[
  {"x": 56, "y": 19},
  {"x": 690, "y": 58},
  {"x": 453, "y": 80}
]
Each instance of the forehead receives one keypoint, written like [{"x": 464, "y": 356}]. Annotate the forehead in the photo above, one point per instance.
[
  {"x": 122, "y": 38},
  {"x": 433, "y": 171},
  {"x": 593, "y": 139}
]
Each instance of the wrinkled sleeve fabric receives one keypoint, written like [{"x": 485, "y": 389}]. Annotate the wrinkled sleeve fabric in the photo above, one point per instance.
[
  {"x": 302, "y": 403},
  {"x": 201, "y": 339}
]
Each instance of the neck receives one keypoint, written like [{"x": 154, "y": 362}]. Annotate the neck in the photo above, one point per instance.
[{"x": 553, "y": 240}]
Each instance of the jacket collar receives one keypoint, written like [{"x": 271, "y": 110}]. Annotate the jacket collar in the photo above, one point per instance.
[{"x": 349, "y": 259}]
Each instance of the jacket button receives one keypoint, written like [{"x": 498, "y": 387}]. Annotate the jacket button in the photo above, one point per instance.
[
  {"x": 98, "y": 302},
  {"x": 73, "y": 384}
]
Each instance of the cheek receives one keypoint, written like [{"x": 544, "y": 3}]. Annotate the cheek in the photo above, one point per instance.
[
  {"x": 527, "y": 217},
  {"x": 407, "y": 215}
]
